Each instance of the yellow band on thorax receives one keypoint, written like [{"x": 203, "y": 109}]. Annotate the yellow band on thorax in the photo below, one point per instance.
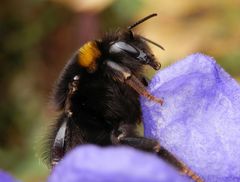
[{"x": 88, "y": 54}]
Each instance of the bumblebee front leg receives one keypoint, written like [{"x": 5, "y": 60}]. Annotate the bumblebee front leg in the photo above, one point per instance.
[{"x": 127, "y": 136}]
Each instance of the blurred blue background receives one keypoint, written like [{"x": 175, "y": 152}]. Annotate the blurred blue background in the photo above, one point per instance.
[{"x": 39, "y": 36}]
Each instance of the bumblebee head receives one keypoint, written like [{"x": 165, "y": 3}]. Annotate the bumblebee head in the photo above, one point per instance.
[
  {"x": 129, "y": 49},
  {"x": 120, "y": 56},
  {"x": 133, "y": 52}
]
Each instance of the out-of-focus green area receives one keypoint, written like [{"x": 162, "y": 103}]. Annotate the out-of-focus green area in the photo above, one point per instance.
[{"x": 38, "y": 37}]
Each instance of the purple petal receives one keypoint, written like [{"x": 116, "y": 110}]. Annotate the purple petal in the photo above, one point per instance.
[
  {"x": 90, "y": 163},
  {"x": 200, "y": 119},
  {"x": 6, "y": 177}
]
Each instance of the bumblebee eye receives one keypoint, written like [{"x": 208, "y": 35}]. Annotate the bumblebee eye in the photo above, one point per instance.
[
  {"x": 118, "y": 47},
  {"x": 122, "y": 47},
  {"x": 136, "y": 53}
]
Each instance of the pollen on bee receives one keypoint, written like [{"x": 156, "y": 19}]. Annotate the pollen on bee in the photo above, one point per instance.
[{"x": 88, "y": 54}]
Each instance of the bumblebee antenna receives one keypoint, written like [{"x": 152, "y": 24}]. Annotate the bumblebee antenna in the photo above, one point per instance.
[
  {"x": 154, "y": 43},
  {"x": 143, "y": 38},
  {"x": 142, "y": 20}
]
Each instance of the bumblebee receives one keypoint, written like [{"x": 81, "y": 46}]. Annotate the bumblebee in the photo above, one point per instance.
[{"x": 97, "y": 96}]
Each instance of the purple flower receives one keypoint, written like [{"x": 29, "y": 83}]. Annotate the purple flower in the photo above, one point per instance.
[
  {"x": 113, "y": 164},
  {"x": 199, "y": 122},
  {"x": 5, "y": 177},
  {"x": 200, "y": 119}
]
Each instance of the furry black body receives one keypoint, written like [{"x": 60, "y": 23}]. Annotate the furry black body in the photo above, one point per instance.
[
  {"x": 101, "y": 104},
  {"x": 97, "y": 97}
]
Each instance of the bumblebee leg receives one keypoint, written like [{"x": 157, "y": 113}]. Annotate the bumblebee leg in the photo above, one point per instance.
[{"x": 153, "y": 146}]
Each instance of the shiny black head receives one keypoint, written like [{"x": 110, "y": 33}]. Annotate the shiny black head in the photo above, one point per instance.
[{"x": 129, "y": 49}]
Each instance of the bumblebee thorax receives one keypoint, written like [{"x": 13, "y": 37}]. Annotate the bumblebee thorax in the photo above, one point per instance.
[{"x": 88, "y": 55}]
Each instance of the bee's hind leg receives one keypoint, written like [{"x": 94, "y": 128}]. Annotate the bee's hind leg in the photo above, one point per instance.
[{"x": 126, "y": 135}]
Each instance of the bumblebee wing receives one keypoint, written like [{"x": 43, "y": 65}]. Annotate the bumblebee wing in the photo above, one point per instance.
[
  {"x": 66, "y": 135},
  {"x": 58, "y": 143},
  {"x": 61, "y": 89}
]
